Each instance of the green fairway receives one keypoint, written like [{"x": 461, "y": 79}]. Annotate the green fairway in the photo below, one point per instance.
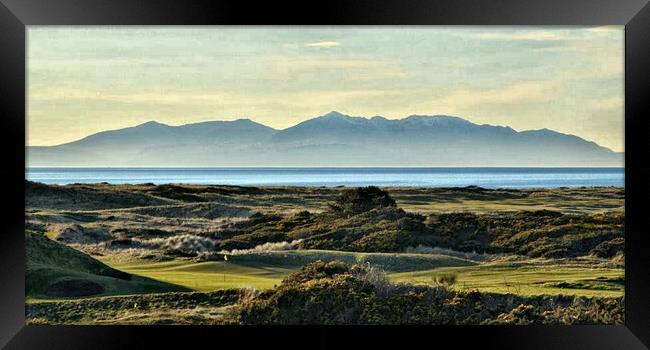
[
  {"x": 526, "y": 280},
  {"x": 266, "y": 270},
  {"x": 205, "y": 276}
]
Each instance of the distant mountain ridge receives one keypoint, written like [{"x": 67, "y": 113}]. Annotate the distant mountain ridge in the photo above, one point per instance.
[{"x": 333, "y": 139}]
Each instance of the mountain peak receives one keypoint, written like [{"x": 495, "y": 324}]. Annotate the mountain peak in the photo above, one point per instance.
[
  {"x": 334, "y": 114},
  {"x": 150, "y": 124},
  {"x": 244, "y": 121}
]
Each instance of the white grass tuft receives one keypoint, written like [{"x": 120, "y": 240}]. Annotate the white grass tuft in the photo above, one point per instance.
[{"x": 266, "y": 247}]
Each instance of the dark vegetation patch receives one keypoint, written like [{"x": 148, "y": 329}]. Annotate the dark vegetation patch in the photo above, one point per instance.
[
  {"x": 176, "y": 192},
  {"x": 131, "y": 232},
  {"x": 336, "y": 293},
  {"x": 125, "y": 242},
  {"x": 536, "y": 234},
  {"x": 478, "y": 193},
  {"x": 73, "y": 288},
  {"x": 600, "y": 283},
  {"x": 197, "y": 189},
  {"x": 359, "y": 200},
  {"x": 361, "y": 219},
  {"x": 367, "y": 220},
  {"x": 179, "y": 253},
  {"x": 609, "y": 249},
  {"x": 82, "y": 216}
]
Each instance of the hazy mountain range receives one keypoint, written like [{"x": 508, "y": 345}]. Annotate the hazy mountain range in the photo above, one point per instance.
[{"x": 333, "y": 139}]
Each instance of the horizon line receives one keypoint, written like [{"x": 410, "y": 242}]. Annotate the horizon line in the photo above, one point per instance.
[{"x": 321, "y": 167}]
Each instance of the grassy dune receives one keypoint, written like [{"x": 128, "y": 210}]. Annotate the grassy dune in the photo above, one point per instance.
[{"x": 55, "y": 270}]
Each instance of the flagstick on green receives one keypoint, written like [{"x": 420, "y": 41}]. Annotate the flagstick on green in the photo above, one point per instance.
[{"x": 225, "y": 260}]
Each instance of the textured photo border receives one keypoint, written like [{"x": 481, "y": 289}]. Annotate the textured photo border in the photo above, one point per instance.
[{"x": 15, "y": 15}]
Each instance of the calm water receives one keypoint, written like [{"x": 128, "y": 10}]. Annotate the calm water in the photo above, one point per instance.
[{"x": 427, "y": 177}]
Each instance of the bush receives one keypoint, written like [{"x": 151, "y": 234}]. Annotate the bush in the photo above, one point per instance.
[
  {"x": 361, "y": 199},
  {"x": 335, "y": 293},
  {"x": 609, "y": 249},
  {"x": 317, "y": 270},
  {"x": 446, "y": 280}
]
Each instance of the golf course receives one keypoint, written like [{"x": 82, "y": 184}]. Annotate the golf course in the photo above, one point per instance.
[{"x": 187, "y": 254}]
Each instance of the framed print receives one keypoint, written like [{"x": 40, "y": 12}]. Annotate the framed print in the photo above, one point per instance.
[{"x": 221, "y": 172}]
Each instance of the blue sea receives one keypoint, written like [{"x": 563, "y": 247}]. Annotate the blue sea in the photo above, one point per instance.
[{"x": 422, "y": 177}]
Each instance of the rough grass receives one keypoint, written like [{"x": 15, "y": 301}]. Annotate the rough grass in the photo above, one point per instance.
[{"x": 164, "y": 308}]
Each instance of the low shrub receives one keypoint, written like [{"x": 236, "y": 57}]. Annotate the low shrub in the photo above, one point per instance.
[
  {"x": 336, "y": 293},
  {"x": 361, "y": 199}
]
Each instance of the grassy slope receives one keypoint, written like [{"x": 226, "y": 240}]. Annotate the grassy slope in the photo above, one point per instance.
[{"x": 49, "y": 262}]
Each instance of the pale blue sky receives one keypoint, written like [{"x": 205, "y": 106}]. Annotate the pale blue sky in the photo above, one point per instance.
[{"x": 83, "y": 80}]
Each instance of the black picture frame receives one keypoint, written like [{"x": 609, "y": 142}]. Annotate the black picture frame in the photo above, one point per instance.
[{"x": 15, "y": 15}]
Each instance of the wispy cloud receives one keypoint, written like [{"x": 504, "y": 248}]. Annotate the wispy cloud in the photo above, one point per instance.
[
  {"x": 538, "y": 35},
  {"x": 606, "y": 29},
  {"x": 324, "y": 44}
]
